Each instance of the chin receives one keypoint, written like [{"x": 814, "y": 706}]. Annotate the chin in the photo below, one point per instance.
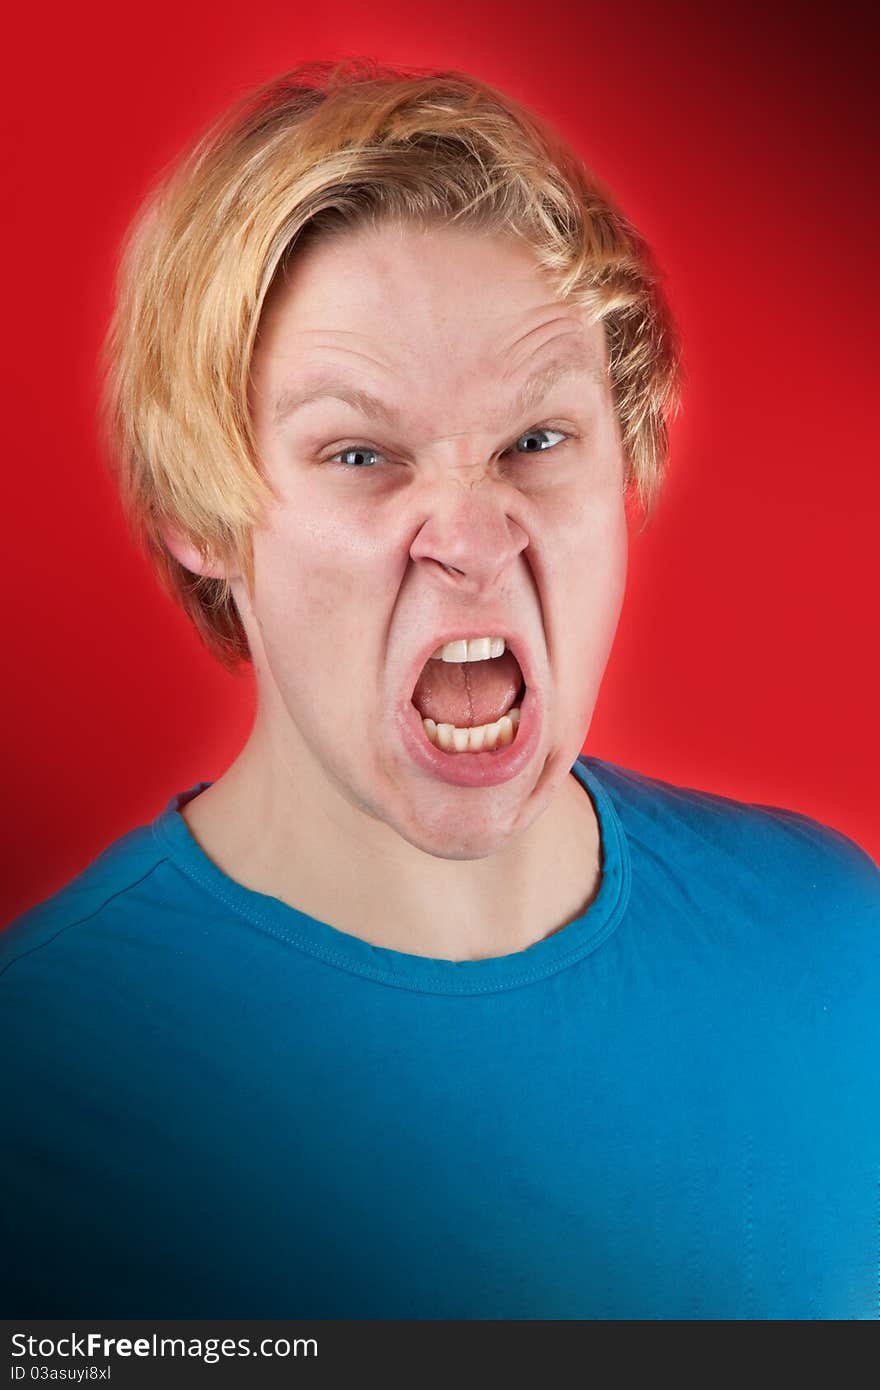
[
  {"x": 454, "y": 844},
  {"x": 451, "y": 831}
]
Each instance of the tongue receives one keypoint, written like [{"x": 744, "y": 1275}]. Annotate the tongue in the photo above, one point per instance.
[{"x": 468, "y": 693}]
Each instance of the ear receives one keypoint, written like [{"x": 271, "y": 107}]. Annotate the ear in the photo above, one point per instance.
[{"x": 188, "y": 555}]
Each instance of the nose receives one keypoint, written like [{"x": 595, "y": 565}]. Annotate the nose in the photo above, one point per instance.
[{"x": 468, "y": 539}]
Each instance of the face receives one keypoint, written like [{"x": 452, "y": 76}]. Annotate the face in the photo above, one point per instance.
[{"x": 440, "y": 432}]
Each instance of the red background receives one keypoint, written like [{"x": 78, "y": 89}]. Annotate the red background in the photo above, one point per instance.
[{"x": 740, "y": 142}]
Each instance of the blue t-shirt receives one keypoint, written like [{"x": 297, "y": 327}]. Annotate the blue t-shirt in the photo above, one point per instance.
[{"x": 215, "y": 1106}]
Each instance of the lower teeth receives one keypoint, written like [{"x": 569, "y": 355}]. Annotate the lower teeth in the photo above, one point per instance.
[{"x": 481, "y": 739}]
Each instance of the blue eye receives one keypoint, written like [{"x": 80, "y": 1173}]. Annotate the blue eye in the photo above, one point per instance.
[
  {"x": 360, "y": 451},
  {"x": 362, "y": 454},
  {"x": 537, "y": 448}
]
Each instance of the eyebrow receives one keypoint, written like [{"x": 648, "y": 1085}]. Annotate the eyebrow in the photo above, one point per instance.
[{"x": 533, "y": 389}]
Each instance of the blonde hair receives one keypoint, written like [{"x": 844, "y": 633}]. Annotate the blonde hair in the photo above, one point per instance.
[{"x": 323, "y": 147}]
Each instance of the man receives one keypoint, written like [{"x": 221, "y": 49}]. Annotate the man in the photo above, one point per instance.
[{"x": 415, "y": 1012}]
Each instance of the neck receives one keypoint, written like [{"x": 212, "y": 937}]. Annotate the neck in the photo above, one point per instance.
[{"x": 278, "y": 830}]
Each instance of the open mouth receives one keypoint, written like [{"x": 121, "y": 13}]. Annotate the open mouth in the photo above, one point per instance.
[{"x": 469, "y": 696}]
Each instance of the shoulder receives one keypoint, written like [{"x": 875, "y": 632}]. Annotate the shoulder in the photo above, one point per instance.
[
  {"x": 647, "y": 803},
  {"x": 107, "y": 887},
  {"x": 766, "y": 858}
]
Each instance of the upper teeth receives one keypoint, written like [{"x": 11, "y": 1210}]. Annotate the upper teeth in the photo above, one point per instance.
[{"x": 470, "y": 649}]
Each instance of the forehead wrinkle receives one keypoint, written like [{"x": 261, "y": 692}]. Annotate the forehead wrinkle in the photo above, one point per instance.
[{"x": 534, "y": 388}]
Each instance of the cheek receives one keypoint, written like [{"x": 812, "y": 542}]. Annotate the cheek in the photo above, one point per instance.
[
  {"x": 589, "y": 575},
  {"x": 605, "y": 570},
  {"x": 320, "y": 573},
  {"x": 616, "y": 545},
  {"x": 586, "y": 538}
]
